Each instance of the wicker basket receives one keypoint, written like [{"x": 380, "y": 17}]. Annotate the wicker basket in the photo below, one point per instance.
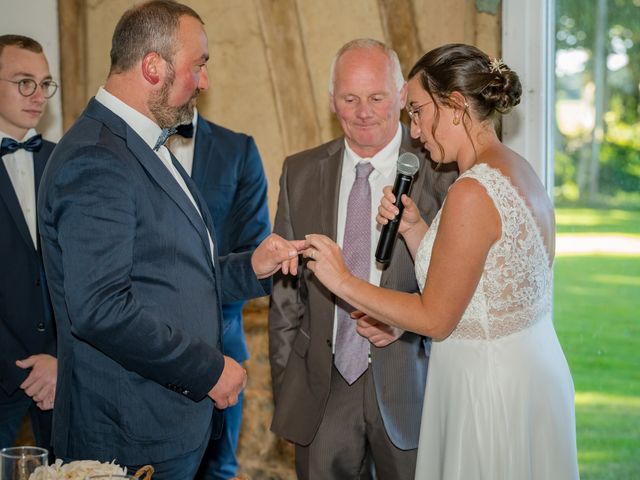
[{"x": 147, "y": 471}]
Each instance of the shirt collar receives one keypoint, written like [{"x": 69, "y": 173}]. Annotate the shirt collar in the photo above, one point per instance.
[
  {"x": 30, "y": 133},
  {"x": 146, "y": 128},
  {"x": 384, "y": 161}
]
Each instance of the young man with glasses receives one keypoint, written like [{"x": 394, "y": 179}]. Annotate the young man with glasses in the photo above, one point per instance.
[{"x": 28, "y": 365}]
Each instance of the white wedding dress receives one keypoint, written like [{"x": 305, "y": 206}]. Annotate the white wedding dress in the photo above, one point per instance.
[{"x": 499, "y": 401}]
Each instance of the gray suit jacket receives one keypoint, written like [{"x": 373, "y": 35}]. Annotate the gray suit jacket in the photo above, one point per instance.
[{"x": 302, "y": 309}]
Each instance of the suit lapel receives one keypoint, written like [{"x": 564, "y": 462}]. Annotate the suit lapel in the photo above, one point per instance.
[
  {"x": 8, "y": 195},
  {"x": 200, "y": 202},
  {"x": 152, "y": 164},
  {"x": 202, "y": 152},
  {"x": 330, "y": 175},
  {"x": 39, "y": 161},
  {"x": 156, "y": 169}
]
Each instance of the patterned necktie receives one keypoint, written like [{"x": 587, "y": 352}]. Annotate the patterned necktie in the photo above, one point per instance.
[
  {"x": 9, "y": 145},
  {"x": 352, "y": 350},
  {"x": 164, "y": 136}
]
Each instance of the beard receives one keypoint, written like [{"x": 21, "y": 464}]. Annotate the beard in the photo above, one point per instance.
[{"x": 167, "y": 116}]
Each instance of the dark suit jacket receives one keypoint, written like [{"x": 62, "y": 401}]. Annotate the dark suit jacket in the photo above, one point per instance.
[
  {"x": 26, "y": 320},
  {"x": 302, "y": 311},
  {"x": 136, "y": 295},
  {"x": 228, "y": 172}
]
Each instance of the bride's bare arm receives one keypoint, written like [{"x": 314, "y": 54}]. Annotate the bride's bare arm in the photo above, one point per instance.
[{"x": 469, "y": 225}]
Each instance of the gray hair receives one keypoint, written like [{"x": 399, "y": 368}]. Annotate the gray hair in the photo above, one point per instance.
[{"x": 368, "y": 44}]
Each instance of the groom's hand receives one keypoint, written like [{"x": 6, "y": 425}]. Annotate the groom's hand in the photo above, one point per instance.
[
  {"x": 275, "y": 253},
  {"x": 40, "y": 384},
  {"x": 230, "y": 384}
]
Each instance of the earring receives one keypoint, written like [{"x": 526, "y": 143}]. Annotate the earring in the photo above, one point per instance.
[{"x": 456, "y": 121}]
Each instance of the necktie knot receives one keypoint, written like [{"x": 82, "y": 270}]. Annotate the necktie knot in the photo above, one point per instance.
[
  {"x": 363, "y": 169},
  {"x": 164, "y": 136},
  {"x": 9, "y": 145}
]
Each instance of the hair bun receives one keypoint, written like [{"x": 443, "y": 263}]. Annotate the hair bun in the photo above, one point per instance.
[
  {"x": 489, "y": 86},
  {"x": 503, "y": 90}
]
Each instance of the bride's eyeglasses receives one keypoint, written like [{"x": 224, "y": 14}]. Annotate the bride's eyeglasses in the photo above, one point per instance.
[{"x": 414, "y": 111}]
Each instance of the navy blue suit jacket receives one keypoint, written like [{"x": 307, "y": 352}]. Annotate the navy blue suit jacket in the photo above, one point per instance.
[
  {"x": 26, "y": 321},
  {"x": 137, "y": 297},
  {"x": 228, "y": 172}
]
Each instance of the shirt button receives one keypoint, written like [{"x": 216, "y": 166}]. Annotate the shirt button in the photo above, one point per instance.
[
  {"x": 40, "y": 327},
  {"x": 328, "y": 343}
]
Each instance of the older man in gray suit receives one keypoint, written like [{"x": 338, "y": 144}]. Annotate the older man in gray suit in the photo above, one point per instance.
[{"x": 350, "y": 414}]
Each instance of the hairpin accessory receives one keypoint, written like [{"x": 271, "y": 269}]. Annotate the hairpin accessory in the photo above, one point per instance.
[{"x": 497, "y": 65}]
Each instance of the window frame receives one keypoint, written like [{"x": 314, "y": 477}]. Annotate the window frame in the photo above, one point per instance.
[{"x": 528, "y": 47}]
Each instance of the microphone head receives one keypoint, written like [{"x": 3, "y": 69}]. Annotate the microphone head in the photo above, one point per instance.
[{"x": 408, "y": 164}]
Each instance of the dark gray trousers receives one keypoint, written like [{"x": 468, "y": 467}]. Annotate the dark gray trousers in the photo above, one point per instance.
[{"x": 351, "y": 442}]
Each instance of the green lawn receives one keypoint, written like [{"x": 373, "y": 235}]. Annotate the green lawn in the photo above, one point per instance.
[
  {"x": 590, "y": 220},
  {"x": 597, "y": 316}
]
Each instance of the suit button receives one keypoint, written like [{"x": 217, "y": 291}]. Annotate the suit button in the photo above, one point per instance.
[
  {"x": 37, "y": 282},
  {"x": 328, "y": 343},
  {"x": 40, "y": 327}
]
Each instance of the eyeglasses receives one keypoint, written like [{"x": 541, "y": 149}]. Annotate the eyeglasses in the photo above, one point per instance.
[
  {"x": 28, "y": 87},
  {"x": 414, "y": 112}
]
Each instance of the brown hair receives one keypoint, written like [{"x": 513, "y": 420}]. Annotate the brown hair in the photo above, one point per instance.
[
  {"x": 489, "y": 87},
  {"x": 149, "y": 27},
  {"x": 19, "y": 41}
]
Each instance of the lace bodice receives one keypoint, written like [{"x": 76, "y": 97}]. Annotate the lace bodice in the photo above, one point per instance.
[{"x": 515, "y": 289}]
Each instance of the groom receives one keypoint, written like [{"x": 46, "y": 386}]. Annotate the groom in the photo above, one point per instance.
[{"x": 136, "y": 281}]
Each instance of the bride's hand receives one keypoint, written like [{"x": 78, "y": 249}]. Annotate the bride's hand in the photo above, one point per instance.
[
  {"x": 378, "y": 333},
  {"x": 387, "y": 211},
  {"x": 326, "y": 261}
]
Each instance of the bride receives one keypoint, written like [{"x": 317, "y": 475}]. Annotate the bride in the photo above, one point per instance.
[{"x": 499, "y": 400}]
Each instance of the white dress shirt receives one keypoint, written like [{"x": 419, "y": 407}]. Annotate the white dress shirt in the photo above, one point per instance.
[
  {"x": 19, "y": 165},
  {"x": 149, "y": 131},
  {"x": 384, "y": 170}
]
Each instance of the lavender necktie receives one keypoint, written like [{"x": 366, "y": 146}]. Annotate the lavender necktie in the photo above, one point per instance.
[{"x": 352, "y": 350}]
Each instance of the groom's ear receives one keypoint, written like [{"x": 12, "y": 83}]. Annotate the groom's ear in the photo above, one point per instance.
[{"x": 152, "y": 67}]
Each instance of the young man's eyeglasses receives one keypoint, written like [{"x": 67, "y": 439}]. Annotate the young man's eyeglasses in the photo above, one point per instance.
[{"x": 28, "y": 87}]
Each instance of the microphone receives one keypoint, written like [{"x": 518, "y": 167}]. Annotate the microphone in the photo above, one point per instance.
[{"x": 408, "y": 165}]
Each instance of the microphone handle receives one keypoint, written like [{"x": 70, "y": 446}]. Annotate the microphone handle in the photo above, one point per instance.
[{"x": 389, "y": 232}]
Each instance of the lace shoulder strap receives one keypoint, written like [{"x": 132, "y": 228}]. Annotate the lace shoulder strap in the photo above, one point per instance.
[
  {"x": 495, "y": 183},
  {"x": 515, "y": 290}
]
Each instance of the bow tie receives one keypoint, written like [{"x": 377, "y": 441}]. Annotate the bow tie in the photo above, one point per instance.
[
  {"x": 9, "y": 145},
  {"x": 185, "y": 130},
  {"x": 164, "y": 136}
]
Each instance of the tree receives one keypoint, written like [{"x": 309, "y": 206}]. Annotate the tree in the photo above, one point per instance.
[{"x": 607, "y": 31}]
